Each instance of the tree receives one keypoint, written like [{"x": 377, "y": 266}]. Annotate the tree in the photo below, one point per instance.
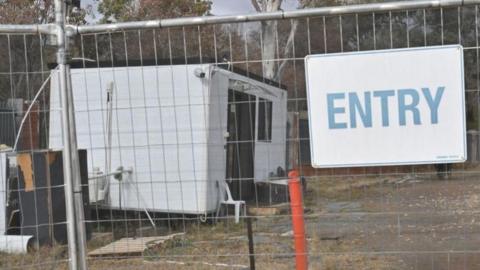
[
  {"x": 275, "y": 46},
  {"x": 26, "y": 11},
  {"x": 127, "y": 10},
  {"x": 25, "y": 57},
  {"x": 34, "y": 12},
  {"x": 140, "y": 10},
  {"x": 268, "y": 36},
  {"x": 271, "y": 69}
]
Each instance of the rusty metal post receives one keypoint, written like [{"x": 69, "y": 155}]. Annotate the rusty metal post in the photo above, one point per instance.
[{"x": 251, "y": 252}]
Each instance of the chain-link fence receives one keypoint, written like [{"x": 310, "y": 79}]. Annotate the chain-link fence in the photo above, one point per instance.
[{"x": 186, "y": 133}]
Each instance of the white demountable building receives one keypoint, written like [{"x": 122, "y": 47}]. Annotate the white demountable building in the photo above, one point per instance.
[{"x": 164, "y": 138}]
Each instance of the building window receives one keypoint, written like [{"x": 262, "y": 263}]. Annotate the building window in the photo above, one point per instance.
[{"x": 264, "y": 120}]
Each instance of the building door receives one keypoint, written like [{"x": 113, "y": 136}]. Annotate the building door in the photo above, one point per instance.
[{"x": 241, "y": 145}]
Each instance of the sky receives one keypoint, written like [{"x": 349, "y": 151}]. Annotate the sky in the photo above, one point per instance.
[
  {"x": 219, "y": 7},
  {"x": 224, "y": 7}
]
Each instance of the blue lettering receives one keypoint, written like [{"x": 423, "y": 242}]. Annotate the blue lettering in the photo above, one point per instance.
[
  {"x": 332, "y": 110},
  {"x": 408, "y": 101},
  {"x": 365, "y": 113},
  {"x": 433, "y": 103},
  {"x": 412, "y": 106},
  {"x": 383, "y": 95}
]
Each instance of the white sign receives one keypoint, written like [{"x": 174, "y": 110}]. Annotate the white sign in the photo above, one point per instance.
[{"x": 389, "y": 107}]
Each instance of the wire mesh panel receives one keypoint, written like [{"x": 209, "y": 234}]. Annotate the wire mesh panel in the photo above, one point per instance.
[
  {"x": 357, "y": 218},
  {"x": 187, "y": 135},
  {"x": 32, "y": 201}
]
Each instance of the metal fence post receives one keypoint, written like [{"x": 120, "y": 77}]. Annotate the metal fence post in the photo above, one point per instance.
[
  {"x": 73, "y": 195},
  {"x": 77, "y": 182}
]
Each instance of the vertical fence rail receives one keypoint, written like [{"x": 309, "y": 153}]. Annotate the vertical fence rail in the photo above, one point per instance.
[{"x": 68, "y": 132}]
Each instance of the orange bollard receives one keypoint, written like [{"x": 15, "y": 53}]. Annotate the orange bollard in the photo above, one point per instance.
[{"x": 298, "y": 223}]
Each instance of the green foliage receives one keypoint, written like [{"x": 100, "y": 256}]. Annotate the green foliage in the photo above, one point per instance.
[
  {"x": 128, "y": 10},
  {"x": 34, "y": 12},
  {"x": 114, "y": 8}
]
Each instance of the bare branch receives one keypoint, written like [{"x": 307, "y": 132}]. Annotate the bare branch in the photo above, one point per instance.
[
  {"x": 256, "y": 6},
  {"x": 273, "y": 5},
  {"x": 288, "y": 46}
]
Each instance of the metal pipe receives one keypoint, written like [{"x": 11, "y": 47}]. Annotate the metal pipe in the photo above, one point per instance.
[
  {"x": 77, "y": 180},
  {"x": 256, "y": 17},
  {"x": 110, "y": 174},
  {"x": 16, "y": 244},
  {"x": 67, "y": 170},
  {"x": 28, "y": 29},
  {"x": 377, "y": 7},
  {"x": 69, "y": 165},
  {"x": 81, "y": 244},
  {"x": 324, "y": 11},
  {"x": 108, "y": 148},
  {"x": 20, "y": 128}
]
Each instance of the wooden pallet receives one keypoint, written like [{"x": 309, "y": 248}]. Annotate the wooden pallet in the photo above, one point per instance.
[
  {"x": 271, "y": 210},
  {"x": 131, "y": 246}
]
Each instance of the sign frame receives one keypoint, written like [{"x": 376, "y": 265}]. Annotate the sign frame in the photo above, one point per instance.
[{"x": 386, "y": 51}]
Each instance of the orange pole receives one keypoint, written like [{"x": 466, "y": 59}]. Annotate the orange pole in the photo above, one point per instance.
[{"x": 298, "y": 223}]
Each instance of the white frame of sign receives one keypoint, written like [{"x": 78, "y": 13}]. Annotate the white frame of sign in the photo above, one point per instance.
[{"x": 313, "y": 100}]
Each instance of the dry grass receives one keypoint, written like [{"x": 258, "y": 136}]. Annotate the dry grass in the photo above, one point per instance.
[
  {"x": 44, "y": 258},
  {"x": 225, "y": 246},
  {"x": 221, "y": 246},
  {"x": 340, "y": 254}
]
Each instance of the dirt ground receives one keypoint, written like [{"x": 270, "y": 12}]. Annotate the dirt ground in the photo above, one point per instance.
[{"x": 404, "y": 221}]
